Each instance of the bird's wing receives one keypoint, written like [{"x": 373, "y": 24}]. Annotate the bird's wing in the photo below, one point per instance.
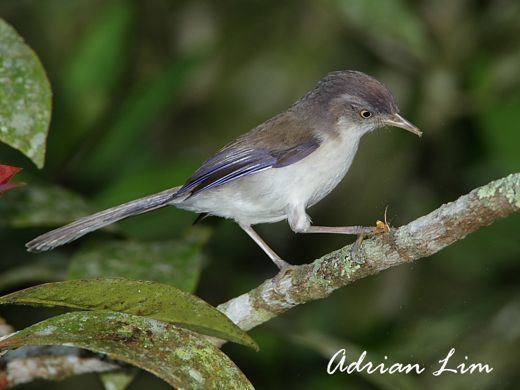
[{"x": 275, "y": 144}]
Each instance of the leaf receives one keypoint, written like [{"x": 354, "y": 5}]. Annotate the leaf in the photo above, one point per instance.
[
  {"x": 6, "y": 173},
  {"x": 170, "y": 262},
  {"x": 154, "y": 300},
  {"x": 178, "y": 356},
  {"x": 25, "y": 97},
  {"x": 41, "y": 206}
]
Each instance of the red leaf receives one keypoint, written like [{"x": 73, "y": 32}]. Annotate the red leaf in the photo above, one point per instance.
[{"x": 6, "y": 173}]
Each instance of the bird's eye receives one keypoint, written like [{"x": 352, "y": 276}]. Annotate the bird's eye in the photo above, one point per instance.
[{"x": 365, "y": 114}]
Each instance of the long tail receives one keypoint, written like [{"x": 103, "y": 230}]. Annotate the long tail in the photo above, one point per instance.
[{"x": 85, "y": 225}]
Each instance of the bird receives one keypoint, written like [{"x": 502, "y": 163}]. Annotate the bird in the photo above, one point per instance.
[{"x": 277, "y": 170}]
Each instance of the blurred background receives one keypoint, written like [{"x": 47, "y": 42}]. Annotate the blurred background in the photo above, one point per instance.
[{"x": 144, "y": 91}]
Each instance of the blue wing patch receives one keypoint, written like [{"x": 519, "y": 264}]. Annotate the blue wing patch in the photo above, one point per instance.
[{"x": 235, "y": 162}]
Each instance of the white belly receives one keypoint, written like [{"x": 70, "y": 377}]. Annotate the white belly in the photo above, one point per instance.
[{"x": 266, "y": 196}]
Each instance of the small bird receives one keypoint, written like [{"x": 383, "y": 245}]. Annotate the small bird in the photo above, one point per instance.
[{"x": 275, "y": 171}]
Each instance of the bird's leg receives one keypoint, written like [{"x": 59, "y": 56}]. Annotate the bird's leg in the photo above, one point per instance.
[
  {"x": 381, "y": 227},
  {"x": 353, "y": 230},
  {"x": 281, "y": 264},
  {"x": 301, "y": 223}
]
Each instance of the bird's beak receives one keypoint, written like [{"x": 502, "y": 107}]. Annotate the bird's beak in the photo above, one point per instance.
[{"x": 397, "y": 120}]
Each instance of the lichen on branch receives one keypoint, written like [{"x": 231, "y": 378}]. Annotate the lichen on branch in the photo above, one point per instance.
[{"x": 420, "y": 238}]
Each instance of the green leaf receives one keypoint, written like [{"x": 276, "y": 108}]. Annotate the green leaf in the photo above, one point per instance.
[
  {"x": 178, "y": 356},
  {"x": 25, "y": 97},
  {"x": 154, "y": 300},
  {"x": 171, "y": 262},
  {"x": 41, "y": 206}
]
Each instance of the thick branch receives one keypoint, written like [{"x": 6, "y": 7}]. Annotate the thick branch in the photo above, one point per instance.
[{"x": 419, "y": 239}]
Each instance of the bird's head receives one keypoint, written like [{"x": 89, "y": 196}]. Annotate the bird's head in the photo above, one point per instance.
[{"x": 357, "y": 102}]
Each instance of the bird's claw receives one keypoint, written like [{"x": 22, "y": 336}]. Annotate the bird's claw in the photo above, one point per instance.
[{"x": 380, "y": 228}]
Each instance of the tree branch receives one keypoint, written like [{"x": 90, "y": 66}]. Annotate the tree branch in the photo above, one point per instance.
[
  {"x": 49, "y": 362},
  {"x": 419, "y": 239}
]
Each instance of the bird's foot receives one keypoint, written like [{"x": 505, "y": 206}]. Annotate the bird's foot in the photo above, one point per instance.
[{"x": 380, "y": 228}]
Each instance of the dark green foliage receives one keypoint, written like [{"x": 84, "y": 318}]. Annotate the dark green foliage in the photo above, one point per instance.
[
  {"x": 144, "y": 91},
  {"x": 147, "y": 299},
  {"x": 174, "y": 354}
]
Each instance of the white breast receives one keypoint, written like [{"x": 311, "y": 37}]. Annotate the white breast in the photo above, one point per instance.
[
  {"x": 323, "y": 170},
  {"x": 267, "y": 196}
]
